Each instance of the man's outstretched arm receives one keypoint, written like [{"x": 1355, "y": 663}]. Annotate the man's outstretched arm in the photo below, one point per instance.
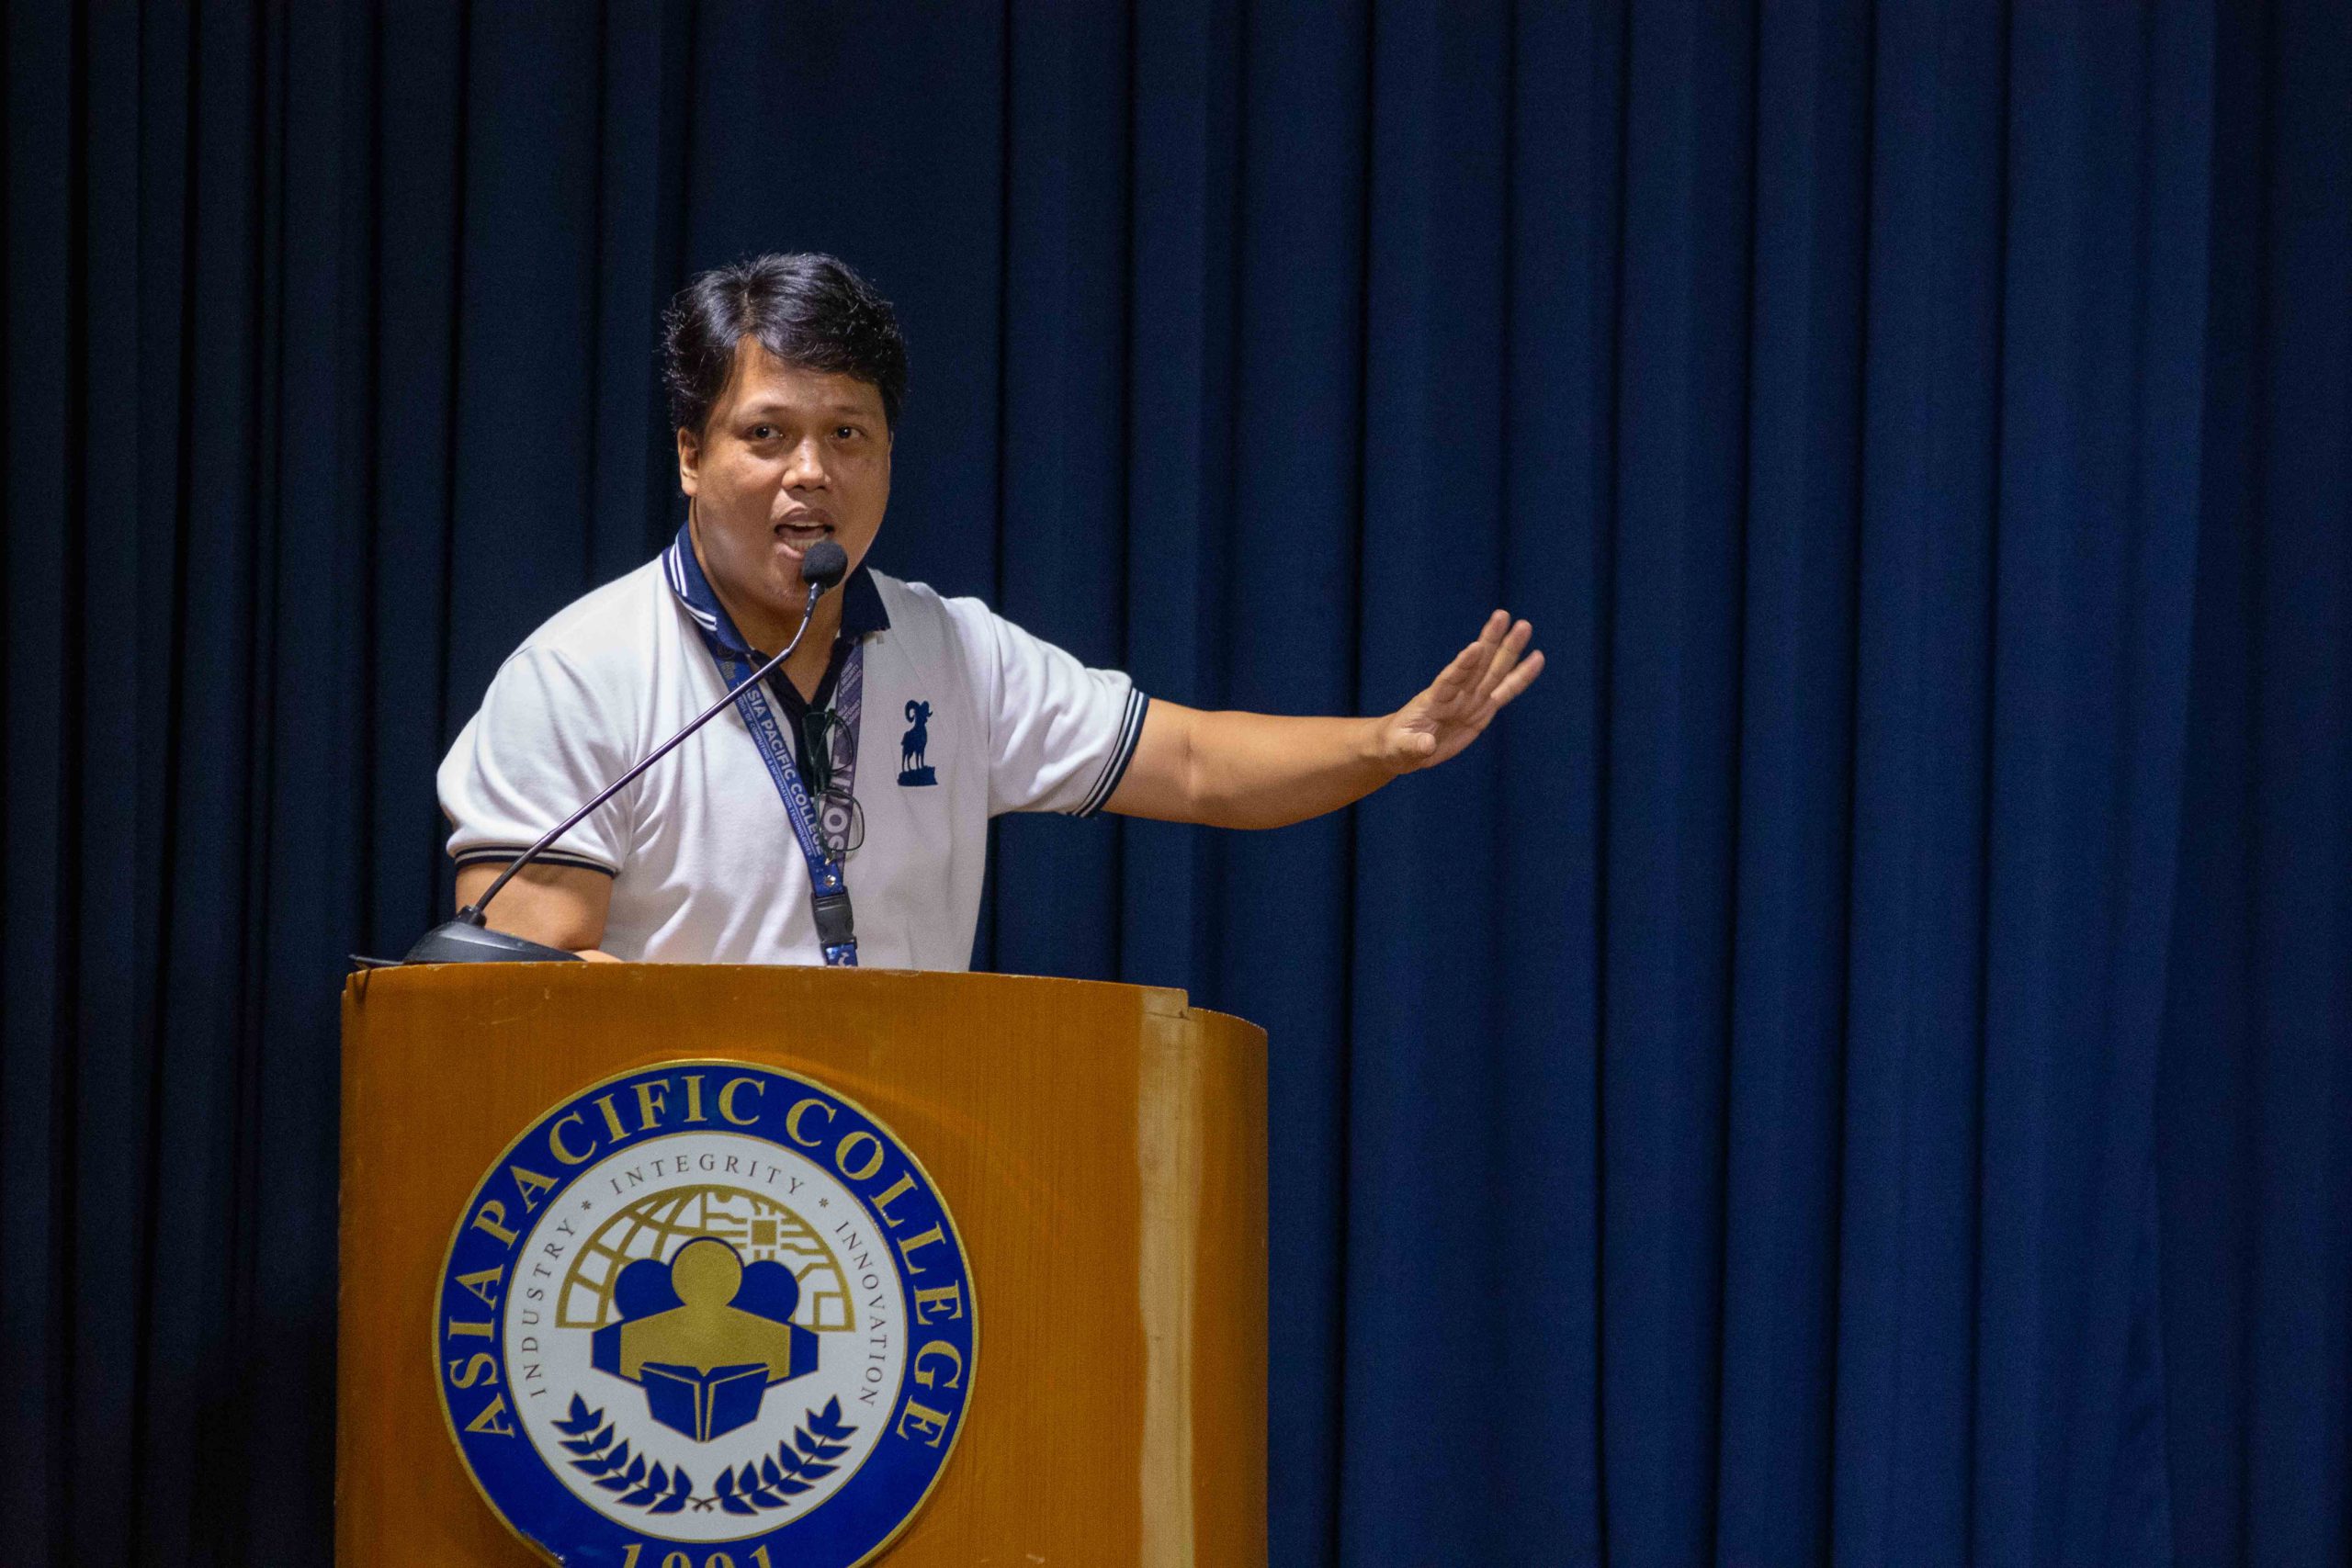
[{"x": 1255, "y": 770}]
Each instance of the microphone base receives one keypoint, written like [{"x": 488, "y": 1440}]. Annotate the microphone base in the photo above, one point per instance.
[{"x": 461, "y": 942}]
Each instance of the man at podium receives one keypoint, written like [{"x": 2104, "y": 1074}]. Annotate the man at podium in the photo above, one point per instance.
[{"x": 868, "y": 767}]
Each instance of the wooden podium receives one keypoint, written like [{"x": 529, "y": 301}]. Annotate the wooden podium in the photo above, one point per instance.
[{"x": 1103, "y": 1150}]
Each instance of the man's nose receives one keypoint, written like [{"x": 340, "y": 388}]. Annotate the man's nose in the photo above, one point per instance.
[{"x": 804, "y": 466}]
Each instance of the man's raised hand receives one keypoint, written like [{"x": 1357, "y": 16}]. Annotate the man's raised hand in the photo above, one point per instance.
[
  {"x": 1257, "y": 769},
  {"x": 1464, "y": 699}
]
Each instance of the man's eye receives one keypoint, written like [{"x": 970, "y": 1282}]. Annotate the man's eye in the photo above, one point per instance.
[
  {"x": 846, "y": 431},
  {"x": 763, "y": 433}
]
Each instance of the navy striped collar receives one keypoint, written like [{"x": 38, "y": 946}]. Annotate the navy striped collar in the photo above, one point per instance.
[{"x": 862, "y": 607}]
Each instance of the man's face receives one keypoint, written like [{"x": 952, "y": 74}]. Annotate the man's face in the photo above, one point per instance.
[{"x": 787, "y": 456}]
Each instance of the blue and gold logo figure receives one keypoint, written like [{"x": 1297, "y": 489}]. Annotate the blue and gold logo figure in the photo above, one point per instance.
[
  {"x": 705, "y": 1336},
  {"x": 708, "y": 1308}
]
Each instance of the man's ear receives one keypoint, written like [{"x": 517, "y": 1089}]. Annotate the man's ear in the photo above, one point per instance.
[{"x": 689, "y": 453}]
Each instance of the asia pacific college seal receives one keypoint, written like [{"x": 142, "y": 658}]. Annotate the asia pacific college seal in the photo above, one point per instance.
[{"x": 705, "y": 1315}]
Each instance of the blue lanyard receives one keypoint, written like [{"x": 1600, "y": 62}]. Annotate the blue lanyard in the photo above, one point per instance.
[{"x": 828, "y": 890}]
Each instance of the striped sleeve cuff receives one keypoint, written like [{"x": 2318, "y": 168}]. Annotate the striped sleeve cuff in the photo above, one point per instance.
[
  {"x": 498, "y": 854},
  {"x": 1114, "y": 767}
]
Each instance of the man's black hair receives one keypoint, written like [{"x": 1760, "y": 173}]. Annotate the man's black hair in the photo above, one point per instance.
[{"x": 808, "y": 310}]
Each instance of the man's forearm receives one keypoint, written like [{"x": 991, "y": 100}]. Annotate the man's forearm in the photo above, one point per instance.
[
  {"x": 1256, "y": 770},
  {"x": 1248, "y": 769}
]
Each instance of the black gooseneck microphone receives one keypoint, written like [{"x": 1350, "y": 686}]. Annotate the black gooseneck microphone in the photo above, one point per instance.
[{"x": 469, "y": 938}]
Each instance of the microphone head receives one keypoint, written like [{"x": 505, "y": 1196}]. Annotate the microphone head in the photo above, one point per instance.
[{"x": 824, "y": 566}]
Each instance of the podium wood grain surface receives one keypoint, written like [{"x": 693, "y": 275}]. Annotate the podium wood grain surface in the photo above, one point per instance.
[{"x": 1101, "y": 1147}]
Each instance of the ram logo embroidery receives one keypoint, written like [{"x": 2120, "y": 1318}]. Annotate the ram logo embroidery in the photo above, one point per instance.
[{"x": 913, "y": 768}]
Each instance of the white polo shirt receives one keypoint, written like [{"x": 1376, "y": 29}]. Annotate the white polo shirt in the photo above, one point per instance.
[{"x": 705, "y": 865}]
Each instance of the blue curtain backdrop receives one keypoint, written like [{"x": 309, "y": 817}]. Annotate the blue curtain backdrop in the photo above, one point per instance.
[{"x": 1855, "y": 1070}]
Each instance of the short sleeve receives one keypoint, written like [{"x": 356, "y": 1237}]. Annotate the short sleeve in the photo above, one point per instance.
[
  {"x": 538, "y": 750},
  {"x": 1060, "y": 735}
]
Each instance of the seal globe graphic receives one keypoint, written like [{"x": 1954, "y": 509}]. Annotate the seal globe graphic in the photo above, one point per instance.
[
  {"x": 760, "y": 1228},
  {"x": 705, "y": 1305}
]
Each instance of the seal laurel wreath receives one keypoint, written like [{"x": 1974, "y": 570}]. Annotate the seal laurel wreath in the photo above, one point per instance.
[{"x": 820, "y": 1441}]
